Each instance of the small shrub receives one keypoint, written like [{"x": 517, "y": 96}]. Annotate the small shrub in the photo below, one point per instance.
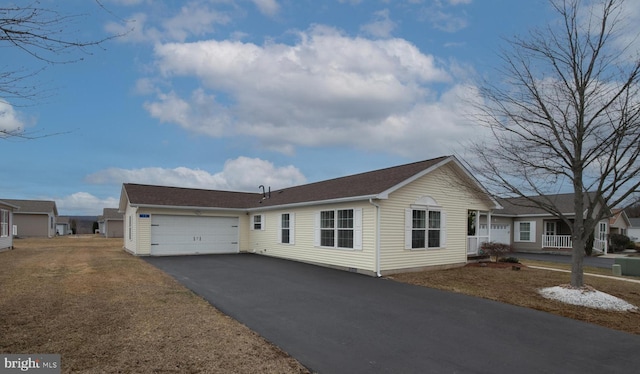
[
  {"x": 496, "y": 250},
  {"x": 511, "y": 260},
  {"x": 619, "y": 242}
]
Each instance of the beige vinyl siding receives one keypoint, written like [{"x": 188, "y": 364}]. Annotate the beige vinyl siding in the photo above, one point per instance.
[
  {"x": 446, "y": 186},
  {"x": 362, "y": 260},
  {"x": 130, "y": 243}
]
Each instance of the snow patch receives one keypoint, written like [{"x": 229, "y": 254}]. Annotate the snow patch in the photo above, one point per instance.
[{"x": 586, "y": 296}]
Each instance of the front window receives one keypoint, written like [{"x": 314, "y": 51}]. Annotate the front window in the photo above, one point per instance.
[
  {"x": 337, "y": 228},
  {"x": 525, "y": 231},
  {"x": 327, "y": 228},
  {"x": 286, "y": 228},
  {"x": 4, "y": 223},
  {"x": 257, "y": 222},
  {"x": 426, "y": 227}
]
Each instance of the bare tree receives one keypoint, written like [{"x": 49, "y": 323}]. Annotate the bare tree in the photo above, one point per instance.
[
  {"x": 566, "y": 116},
  {"x": 45, "y": 35}
]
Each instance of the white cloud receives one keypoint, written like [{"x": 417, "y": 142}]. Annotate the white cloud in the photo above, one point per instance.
[
  {"x": 194, "y": 19},
  {"x": 240, "y": 174},
  {"x": 267, "y": 7},
  {"x": 328, "y": 89},
  {"x": 10, "y": 121},
  {"x": 381, "y": 26},
  {"x": 84, "y": 203}
]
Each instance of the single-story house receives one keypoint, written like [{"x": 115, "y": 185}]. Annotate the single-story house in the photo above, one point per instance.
[
  {"x": 634, "y": 229},
  {"x": 529, "y": 228},
  {"x": 6, "y": 224},
  {"x": 111, "y": 223},
  {"x": 63, "y": 226},
  {"x": 34, "y": 218},
  {"x": 619, "y": 222},
  {"x": 402, "y": 218}
]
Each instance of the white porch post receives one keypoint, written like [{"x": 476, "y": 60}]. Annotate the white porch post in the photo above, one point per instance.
[
  {"x": 477, "y": 231},
  {"x": 489, "y": 226}
]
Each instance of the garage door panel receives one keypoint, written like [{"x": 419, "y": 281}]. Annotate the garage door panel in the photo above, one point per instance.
[{"x": 173, "y": 235}]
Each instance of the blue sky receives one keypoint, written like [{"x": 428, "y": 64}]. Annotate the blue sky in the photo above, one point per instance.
[{"x": 233, "y": 94}]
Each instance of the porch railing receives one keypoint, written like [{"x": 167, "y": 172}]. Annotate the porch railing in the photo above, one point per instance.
[
  {"x": 474, "y": 243},
  {"x": 600, "y": 245},
  {"x": 556, "y": 241}
]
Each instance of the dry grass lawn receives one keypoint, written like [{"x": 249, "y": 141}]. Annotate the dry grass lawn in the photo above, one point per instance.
[
  {"x": 106, "y": 311},
  {"x": 520, "y": 288}
]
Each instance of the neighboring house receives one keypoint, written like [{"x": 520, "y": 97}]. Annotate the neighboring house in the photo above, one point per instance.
[
  {"x": 111, "y": 223},
  {"x": 634, "y": 230},
  {"x": 34, "y": 218},
  {"x": 402, "y": 218},
  {"x": 63, "y": 226},
  {"x": 529, "y": 228},
  {"x": 6, "y": 224},
  {"x": 619, "y": 222}
]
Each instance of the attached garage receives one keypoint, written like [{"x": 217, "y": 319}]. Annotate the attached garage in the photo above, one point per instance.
[{"x": 188, "y": 235}]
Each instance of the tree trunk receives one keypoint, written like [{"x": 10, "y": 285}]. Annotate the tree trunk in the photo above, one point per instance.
[{"x": 577, "y": 259}]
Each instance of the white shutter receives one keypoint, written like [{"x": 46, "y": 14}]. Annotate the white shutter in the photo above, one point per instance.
[
  {"x": 292, "y": 228},
  {"x": 263, "y": 222},
  {"x": 357, "y": 228},
  {"x": 316, "y": 238},
  {"x": 408, "y": 227},
  {"x": 516, "y": 232},
  {"x": 532, "y": 238},
  {"x": 443, "y": 229}
]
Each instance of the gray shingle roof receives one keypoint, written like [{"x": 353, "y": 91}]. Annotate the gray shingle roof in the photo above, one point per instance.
[
  {"x": 635, "y": 222},
  {"x": 33, "y": 206},
  {"x": 111, "y": 214},
  {"x": 359, "y": 185},
  {"x": 522, "y": 206}
]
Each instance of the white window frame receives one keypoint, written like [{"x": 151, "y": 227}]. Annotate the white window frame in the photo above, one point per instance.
[
  {"x": 291, "y": 228},
  {"x": 532, "y": 232},
  {"x": 356, "y": 229},
  {"x": 4, "y": 223},
  {"x": 261, "y": 219},
  {"x": 409, "y": 228}
]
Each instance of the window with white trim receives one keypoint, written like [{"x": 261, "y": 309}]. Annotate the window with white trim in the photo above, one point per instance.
[
  {"x": 4, "y": 223},
  {"x": 525, "y": 231},
  {"x": 257, "y": 222},
  {"x": 286, "y": 233},
  {"x": 426, "y": 229},
  {"x": 340, "y": 228}
]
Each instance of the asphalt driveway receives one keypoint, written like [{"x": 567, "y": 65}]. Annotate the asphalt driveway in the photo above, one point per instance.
[{"x": 338, "y": 322}]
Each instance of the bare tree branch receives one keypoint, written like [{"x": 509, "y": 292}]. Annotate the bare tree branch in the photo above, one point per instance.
[{"x": 567, "y": 112}]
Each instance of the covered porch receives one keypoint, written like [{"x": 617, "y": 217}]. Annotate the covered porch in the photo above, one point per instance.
[
  {"x": 478, "y": 231},
  {"x": 556, "y": 235}
]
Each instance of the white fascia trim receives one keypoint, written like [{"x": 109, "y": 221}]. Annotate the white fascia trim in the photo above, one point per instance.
[
  {"x": 314, "y": 203},
  {"x": 150, "y": 206}
]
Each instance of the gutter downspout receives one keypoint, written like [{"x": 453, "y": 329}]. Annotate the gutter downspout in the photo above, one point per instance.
[{"x": 377, "y": 237}]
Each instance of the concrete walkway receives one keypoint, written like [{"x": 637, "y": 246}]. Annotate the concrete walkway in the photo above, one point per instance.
[
  {"x": 339, "y": 322},
  {"x": 588, "y": 274}
]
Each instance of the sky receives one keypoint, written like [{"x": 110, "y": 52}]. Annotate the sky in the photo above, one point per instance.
[{"x": 233, "y": 94}]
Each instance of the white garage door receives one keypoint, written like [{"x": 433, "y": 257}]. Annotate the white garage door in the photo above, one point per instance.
[
  {"x": 500, "y": 233},
  {"x": 187, "y": 235}
]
